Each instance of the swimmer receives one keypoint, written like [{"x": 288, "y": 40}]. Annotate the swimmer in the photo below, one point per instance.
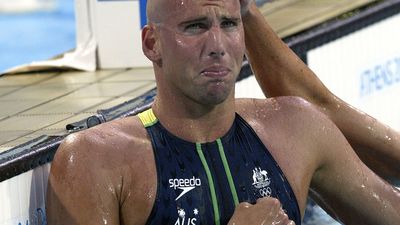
[
  {"x": 200, "y": 156},
  {"x": 281, "y": 73}
]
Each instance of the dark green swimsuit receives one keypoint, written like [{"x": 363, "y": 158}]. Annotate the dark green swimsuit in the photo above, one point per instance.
[{"x": 201, "y": 183}]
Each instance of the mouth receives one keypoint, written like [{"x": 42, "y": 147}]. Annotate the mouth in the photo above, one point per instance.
[{"x": 215, "y": 71}]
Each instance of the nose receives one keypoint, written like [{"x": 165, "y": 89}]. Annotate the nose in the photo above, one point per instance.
[{"x": 215, "y": 43}]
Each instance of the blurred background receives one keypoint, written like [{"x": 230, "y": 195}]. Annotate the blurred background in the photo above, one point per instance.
[
  {"x": 33, "y": 30},
  {"x": 362, "y": 67}
]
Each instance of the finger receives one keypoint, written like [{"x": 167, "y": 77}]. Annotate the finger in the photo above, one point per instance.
[
  {"x": 268, "y": 199},
  {"x": 270, "y": 202},
  {"x": 273, "y": 211},
  {"x": 281, "y": 218},
  {"x": 244, "y": 205}
]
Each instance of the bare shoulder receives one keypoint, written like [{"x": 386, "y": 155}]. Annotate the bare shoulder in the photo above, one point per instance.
[
  {"x": 291, "y": 120},
  {"x": 293, "y": 110},
  {"x": 111, "y": 150},
  {"x": 273, "y": 102},
  {"x": 289, "y": 126},
  {"x": 100, "y": 166},
  {"x": 114, "y": 141}
]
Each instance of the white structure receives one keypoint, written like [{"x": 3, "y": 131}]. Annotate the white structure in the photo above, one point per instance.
[
  {"x": 363, "y": 69},
  {"x": 108, "y": 35},
  {"x": 21, "y": 6},
  {"x": 22, "y": 198}
]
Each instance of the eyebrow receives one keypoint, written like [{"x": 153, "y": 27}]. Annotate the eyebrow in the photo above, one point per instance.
[
  {"x": 195, "y": 20},
  {"x": 233, "y": 18},
  {"x": 204, "y": 18}
]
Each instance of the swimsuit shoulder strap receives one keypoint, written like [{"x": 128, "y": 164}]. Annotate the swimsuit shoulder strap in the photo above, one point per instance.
[{"x": 148, "y": 118}]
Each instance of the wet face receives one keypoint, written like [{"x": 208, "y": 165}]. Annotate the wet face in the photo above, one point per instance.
[{"x": 201, "y": 46}]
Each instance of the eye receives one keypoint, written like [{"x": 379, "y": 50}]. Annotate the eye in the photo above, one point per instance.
[
  {"x": 228, "y": 24},
  {"x": 195, "y": 28}
]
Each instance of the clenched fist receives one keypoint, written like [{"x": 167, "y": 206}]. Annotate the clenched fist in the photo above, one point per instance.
[{"x": 267, "y": 211}]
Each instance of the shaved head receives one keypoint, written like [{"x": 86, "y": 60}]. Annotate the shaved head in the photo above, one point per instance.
[
  {"x": 154, "y": 10},
  {"x": 157, "y": 10}
]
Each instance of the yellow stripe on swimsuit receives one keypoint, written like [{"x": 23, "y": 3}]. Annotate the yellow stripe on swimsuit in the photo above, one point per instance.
[{"x": 148, "y": 118}]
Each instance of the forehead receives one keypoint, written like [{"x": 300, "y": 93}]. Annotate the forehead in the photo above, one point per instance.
[{"x": 181, "y": 9}]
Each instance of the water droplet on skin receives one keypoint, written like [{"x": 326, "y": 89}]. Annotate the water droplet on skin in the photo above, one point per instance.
[
  {"x": 388, "y": 138},
  {"x": 375, "y": 196},
  {"x": 104, "y": 221},
  {"x": 71, "y": 158},
  {"x": 129, "y": 195},
  {"x": 275, "y": 105},
  {"x": 324, "y": 128},
  {"x": 149, "y": 195},
  {"x": 70, "y": 138},
  {"x": 180, "y": 42}
]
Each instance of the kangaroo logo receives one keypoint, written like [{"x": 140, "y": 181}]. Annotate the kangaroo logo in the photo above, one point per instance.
[{"x": 260, "y": 178}]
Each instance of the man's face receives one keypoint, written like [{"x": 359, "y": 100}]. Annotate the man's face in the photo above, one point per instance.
[{"x": 202, "y": 48}]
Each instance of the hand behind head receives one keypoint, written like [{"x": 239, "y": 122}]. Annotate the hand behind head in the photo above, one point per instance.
[{"x": 244, "y": 6}]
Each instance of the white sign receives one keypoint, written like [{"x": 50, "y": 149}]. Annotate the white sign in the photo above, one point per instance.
[
  {"x": 116, "y": 26},
  {"x": 22, "y": 198},
  {"x": 363, "y": 69}
]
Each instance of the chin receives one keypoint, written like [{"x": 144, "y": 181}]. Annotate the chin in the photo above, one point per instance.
[{"x": 215, "y": 98}]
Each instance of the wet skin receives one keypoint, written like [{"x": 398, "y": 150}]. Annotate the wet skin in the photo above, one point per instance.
[
  {"x": 281, "y": 73},
  {"x": 107, "y": 174},
  {"x": 87, "y": 187}
]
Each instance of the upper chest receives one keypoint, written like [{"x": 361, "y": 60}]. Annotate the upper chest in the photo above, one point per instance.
[
  {"x": 204, "y": 182},
  {"x": 185, "y": 183},
  {"x": 290, "y": 144}
]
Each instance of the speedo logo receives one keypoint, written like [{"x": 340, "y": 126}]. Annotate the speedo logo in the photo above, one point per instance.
[{"x": 185, "y": 185}]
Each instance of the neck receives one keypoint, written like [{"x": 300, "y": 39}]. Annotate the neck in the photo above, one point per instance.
[{"x": 194, "y": 122}]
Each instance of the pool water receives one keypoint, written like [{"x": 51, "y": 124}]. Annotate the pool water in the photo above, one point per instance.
[
  {"x": 33, "y": 36},
  {"x": 315, "y": 215}
]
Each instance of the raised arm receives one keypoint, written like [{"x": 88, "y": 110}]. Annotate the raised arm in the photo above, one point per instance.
[
  {"x": 349, "y": 187},
  {"x": 281, "y": 73}
]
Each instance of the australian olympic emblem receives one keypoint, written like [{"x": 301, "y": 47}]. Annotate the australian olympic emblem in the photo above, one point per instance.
[{"x": 261, "y": 181}]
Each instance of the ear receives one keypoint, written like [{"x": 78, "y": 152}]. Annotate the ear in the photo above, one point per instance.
[{"x": 149, "y": 44}]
